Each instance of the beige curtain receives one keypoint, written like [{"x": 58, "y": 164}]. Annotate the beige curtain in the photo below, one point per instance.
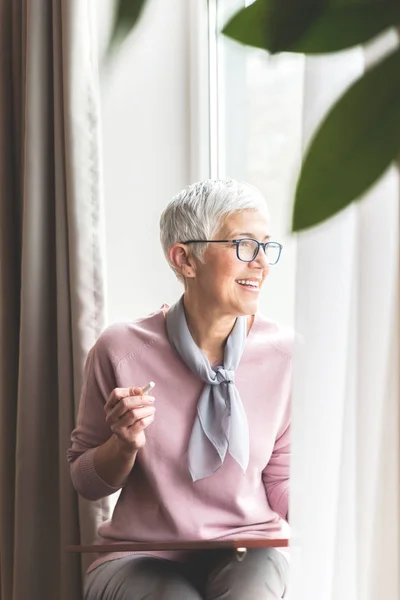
[{"x": 52, "y": 301}]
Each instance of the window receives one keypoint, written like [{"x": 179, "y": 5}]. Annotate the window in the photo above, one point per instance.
[
  {"x": 255, "y": 124},
  {"x": 183, "y": 103}
]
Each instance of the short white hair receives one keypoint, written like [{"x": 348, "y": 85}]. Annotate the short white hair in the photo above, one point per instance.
[{"x": 198, "y": 212}]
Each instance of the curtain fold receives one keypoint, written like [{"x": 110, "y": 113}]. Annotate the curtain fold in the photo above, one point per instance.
[
  {"x": 346, "y": 419},
  {"x": 52, "y": 302}
]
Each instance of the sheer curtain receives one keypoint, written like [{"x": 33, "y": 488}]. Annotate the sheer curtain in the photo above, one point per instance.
[{"x": 346, "y": 425}]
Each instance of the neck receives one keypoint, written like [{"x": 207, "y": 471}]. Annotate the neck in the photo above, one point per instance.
[{"x": 208, "y": 328}]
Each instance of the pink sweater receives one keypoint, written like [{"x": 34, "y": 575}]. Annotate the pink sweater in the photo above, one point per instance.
[{"x": 159, "y": 501}]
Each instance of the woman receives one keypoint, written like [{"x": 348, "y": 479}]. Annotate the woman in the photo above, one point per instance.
[{"x": 209, "y": 458}]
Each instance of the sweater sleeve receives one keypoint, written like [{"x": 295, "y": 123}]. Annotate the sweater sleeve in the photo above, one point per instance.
[
  {"x": 91, "y": 428},
  {"x": 276, "y": 475}
]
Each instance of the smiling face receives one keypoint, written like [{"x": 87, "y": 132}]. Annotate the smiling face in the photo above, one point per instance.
[{"x": 225, "y": 284}]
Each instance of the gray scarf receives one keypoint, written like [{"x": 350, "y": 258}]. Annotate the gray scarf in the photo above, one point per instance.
[{"x": 221, "y": 422}]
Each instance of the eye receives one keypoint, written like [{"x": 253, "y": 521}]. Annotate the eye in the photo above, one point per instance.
[{"x": 247, "y": 243}]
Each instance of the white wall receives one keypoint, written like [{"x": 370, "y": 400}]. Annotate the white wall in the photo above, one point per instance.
[{"x": 145, "y": 109}]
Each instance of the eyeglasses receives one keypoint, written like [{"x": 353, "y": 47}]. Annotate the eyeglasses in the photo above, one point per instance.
[{"x": 247, "y": 249}]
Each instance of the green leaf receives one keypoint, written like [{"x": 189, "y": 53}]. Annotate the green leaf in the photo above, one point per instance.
[
  {"x": 249, "y": 25},
  {"x": 347, "y": 26},
  {"x": 265, "y": 22},
  {"x": 353, "y": 147},
  {"x": 127, "y": 14},
  {"x": 276, "y": 26},
  {"x": 289, "y": 21}
]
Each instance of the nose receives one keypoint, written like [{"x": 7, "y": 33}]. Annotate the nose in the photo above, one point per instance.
[{"x": 260, "y": 261}]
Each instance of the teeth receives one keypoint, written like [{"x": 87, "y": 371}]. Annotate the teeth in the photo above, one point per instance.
[{"x": 248, "y": 282}]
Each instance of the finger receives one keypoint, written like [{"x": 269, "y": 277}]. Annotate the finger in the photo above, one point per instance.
[
  {"x": 133, "y": 417},
  {"x": 119, "y": 394},
  {"x": 116, "y": 395},
  {"x": 129, "y": 403},
  {"x": 141, "y": 424},
  {"x": 130, "y": 417}
]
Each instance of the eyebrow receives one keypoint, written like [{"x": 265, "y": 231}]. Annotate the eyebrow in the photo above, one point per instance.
[{"x": 250, "y": 235}]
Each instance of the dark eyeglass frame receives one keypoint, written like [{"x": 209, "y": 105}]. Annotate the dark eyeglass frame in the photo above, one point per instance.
[{"x": 263, "y": 245}]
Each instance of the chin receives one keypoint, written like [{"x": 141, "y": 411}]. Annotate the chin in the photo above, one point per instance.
[{"x": 245, "y": 309}]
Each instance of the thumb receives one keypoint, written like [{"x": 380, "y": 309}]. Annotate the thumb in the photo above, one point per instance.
[{"x": 137, "y": 391}]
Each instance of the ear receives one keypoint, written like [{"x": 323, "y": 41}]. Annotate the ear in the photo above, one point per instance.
[{"x": 182, "y": 260}]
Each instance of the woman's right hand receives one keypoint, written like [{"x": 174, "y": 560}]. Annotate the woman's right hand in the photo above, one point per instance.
[{"x": 128, "y": 413}]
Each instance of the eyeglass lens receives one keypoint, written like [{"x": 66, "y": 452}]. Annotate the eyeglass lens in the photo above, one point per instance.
[{"x": 247, "y": 250}]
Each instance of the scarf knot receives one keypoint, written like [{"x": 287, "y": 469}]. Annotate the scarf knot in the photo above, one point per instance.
[{"x": 224, "y": 376}]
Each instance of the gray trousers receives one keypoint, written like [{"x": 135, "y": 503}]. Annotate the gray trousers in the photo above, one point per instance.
[{"x": 215, "y": 575}]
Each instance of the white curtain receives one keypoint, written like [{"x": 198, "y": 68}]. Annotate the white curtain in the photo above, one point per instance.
[
  {"x": 345, "y": 467},
  {"x": 85, "y": 216}
]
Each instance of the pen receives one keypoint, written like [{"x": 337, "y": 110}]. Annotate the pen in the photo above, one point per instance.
[{"x": 148, "y": 387}]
